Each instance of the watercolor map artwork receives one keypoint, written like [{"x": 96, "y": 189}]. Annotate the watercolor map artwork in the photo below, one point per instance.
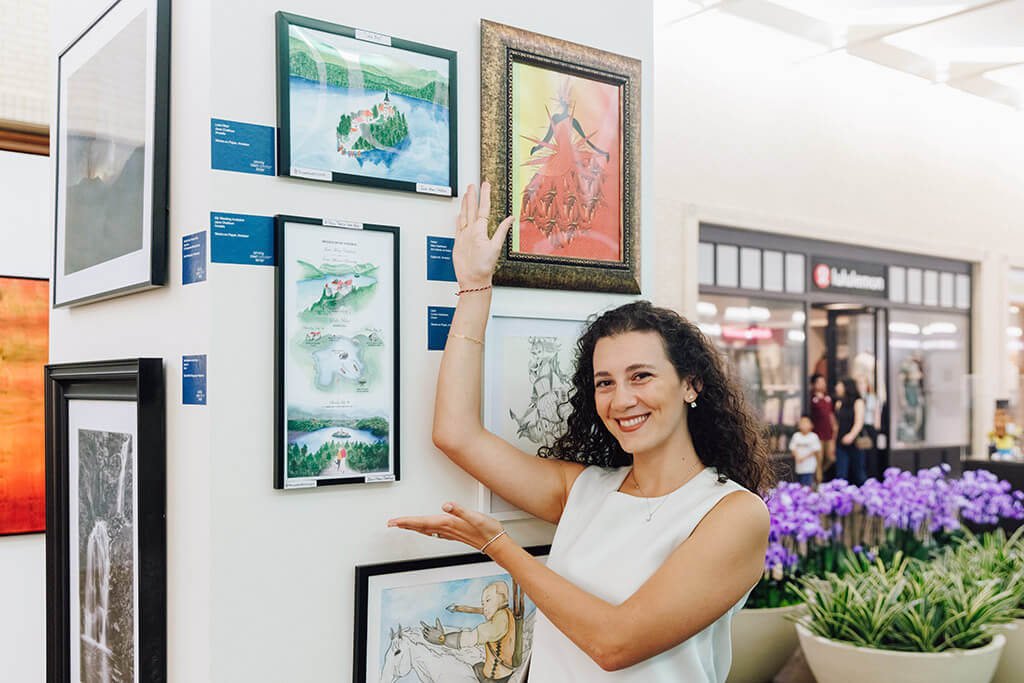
[
  {"x": 24, "y": 348},
  {"x": 339, "y": 339},
  {"x": 492, "y": 608},
  {"x": 567, "y": 165},
  {"x": 367, "y": 109}
]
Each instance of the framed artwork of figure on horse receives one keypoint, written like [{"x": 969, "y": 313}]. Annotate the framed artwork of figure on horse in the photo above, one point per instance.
[
  {"x": 560, "y": 142},
  {"x": 453, "y": 619}
]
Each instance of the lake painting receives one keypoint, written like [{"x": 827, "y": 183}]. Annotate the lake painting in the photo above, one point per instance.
[{"x": 360, "y": 108}]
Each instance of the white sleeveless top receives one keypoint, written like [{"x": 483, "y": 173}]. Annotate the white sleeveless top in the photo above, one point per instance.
[{"x": 605, "y": 546}]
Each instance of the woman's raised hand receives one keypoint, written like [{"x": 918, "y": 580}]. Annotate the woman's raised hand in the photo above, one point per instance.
[{"x": 475, "y": 253}]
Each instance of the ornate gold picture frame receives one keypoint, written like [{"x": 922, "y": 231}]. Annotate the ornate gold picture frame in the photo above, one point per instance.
[{"x": 560, "y": 144}]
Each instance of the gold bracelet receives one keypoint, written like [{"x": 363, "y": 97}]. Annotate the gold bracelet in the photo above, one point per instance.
[{"x": 462, "y": 336}]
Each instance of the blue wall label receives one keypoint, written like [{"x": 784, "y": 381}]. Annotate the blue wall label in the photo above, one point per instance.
[
  {"x": 242, "y": 147},
  {"x": 439, "y": 259},
  {"x": 193, "y": 380},
  {"x": 193, "y": 258},
  {"x": 439, "y": 321},
  {"x": 241, "y": 238}
]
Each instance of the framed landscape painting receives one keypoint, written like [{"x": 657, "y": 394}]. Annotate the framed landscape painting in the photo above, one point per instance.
[
  {"x": 112, "y": 143},
  {"x": 106, "y": 588},
  {"x": 360, "y": 107},
  {"x": 528, "y": 368},
  {"x": 337, "y": 351},
  {"x": 24, "y": 348},
  {"x": 407, "y": 614},
  {"x": 560, "y": 143}
]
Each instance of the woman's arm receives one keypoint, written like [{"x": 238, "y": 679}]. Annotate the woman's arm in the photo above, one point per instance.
[
  {"x": 704, "y": 577},
  {"x": 535, "y": 485}
]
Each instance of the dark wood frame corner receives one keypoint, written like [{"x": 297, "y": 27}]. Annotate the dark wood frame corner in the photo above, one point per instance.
[
  {"x": 139, "y": 380},
  {"x": 500, "y": 47}
]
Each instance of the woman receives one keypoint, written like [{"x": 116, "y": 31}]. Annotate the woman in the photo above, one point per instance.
[
  {"x": 850, "y": 417},
  {"x": 654, "y": 551}
]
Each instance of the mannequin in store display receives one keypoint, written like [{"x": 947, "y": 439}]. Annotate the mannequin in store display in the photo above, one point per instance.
[
  {"x": 850, "y": 457},
  {"x": 649, "y": 483},
  {"x": 912, "y": 399}
]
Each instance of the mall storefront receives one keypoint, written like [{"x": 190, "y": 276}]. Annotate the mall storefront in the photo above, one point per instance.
[{"x": 783, "y": 308}]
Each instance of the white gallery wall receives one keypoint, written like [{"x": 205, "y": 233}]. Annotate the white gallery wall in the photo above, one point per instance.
[
  {"x": 754, "y": 131},
  {"x": 260, "y": 581},
  {"x": 24, "y": 252}
]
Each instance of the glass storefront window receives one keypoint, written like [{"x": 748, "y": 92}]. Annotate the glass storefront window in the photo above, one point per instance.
[
  {"x": 928, "y": 380},
  {"x": 764, "y": 342},
  {"x": 1015, "y": 346}
]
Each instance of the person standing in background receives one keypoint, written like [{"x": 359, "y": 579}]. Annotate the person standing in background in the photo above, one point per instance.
[
  {"x": 824, "y": 420},
  {"x": 850, "y": 458},
  {"x": 806, "y": 449}
]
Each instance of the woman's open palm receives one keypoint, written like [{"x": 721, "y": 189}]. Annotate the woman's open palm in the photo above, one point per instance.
[{"x": 476, "y": 253}]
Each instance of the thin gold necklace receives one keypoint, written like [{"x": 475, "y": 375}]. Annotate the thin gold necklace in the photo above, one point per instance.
[{"x": 664, "y": 499}]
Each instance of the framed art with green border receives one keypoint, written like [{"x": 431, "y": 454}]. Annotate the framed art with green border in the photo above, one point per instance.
[
  {"x": 361, "y": 107},
  {"x": 560, "y": 144},
  {"x": 337, "y": 352},
  {"x": 111, "y": 155}
]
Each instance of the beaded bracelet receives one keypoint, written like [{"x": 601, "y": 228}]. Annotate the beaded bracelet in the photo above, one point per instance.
[{"x": 476, "y": 289}]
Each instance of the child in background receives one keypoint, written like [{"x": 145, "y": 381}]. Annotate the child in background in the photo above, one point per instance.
[{"x": 806, "y": 448}]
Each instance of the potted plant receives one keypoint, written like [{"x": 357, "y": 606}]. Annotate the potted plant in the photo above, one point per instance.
[
  {"x": 994, "y": 555},
  {"x": 906, "y": 621}
]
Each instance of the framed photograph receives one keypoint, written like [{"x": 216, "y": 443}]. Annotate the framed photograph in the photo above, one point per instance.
[
  {"x": 361, "y": 107},
  {"x": 337, "y": 352},
  {"x": 106, "y": 569},
  {"x": 560, "y": 143},
  {"x": 113, "y": 94},
  {"x": 24, "y": 349},
  {"x": 528, "y": 368},
  {"x": 407, "y": 614}
]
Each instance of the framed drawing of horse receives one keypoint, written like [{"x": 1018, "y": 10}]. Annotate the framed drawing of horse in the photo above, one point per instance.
[
  {"x": 454, "y": 619},
  {"x": 560, "y": 143}
]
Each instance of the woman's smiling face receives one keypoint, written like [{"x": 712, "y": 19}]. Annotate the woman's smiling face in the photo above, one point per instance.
[{"x": 637, "y": 392}]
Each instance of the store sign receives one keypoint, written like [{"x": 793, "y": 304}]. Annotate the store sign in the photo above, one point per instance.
[{"x": 849, "y": 277}]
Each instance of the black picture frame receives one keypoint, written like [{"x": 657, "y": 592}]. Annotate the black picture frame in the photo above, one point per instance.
[
  {"x": 365, "y": 572},
  {"x": 140, "y": 381},
  {"x": 284, "y": 128},
  {"x": 281, "y": 478},
  {"x": 110, "y": 276}
]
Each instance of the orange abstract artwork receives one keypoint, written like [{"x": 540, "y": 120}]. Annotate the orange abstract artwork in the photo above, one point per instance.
[
  {"x": 567, "y": 166},
  {"x": 24, "y": 347}
]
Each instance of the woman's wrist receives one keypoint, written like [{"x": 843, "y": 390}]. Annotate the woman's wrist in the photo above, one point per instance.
[{"x": 500, "y": 549}]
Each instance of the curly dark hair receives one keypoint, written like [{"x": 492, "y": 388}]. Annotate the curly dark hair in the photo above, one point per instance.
[{"x": 725, "y": 434}]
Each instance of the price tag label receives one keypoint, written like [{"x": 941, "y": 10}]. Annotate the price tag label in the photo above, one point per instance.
[
  {"x": 342, "y": 223},
  {"x": 372, "y": 37},
  {"x": 300, "y": 483},
  {"x": 378, "y": 478},
  {"x": 311, "y": 173},
  {"x": 427, "y": 188}
]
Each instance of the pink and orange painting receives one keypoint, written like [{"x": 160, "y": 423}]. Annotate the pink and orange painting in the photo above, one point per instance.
[
  {"x": 566, "y": 166},
  {"x": 24, "y": 348}
]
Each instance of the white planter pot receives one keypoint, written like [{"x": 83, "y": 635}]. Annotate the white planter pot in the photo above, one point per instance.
[
  {"x": 834, "y": 662},
  {"x": 763, "y": 640},
  {"x": 1011, "y": 664}
]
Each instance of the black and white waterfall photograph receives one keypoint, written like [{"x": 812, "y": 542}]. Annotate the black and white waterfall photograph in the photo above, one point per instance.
[{"x": 106, "y": 557}]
